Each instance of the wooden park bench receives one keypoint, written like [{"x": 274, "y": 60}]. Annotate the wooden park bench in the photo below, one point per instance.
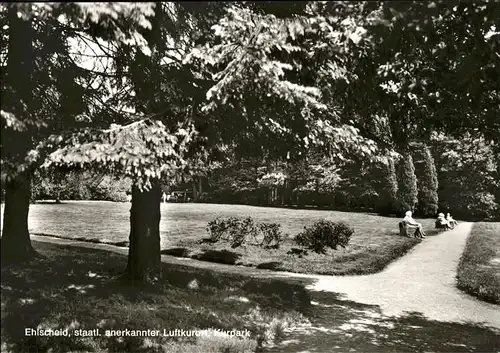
[
  {"x": 408, "y": 230},
  {"x": 403, "y": 229},
  {"x": 440, "y": 226}
]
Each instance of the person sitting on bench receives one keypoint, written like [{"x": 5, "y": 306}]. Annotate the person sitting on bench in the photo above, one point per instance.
[
  {"x": 442, "y": 223},
  {"x": 451, "y": 221},
  {"x": 410, "y": 222}
]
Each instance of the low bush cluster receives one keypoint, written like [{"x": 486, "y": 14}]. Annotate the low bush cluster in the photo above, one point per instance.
[
  {"x": 238, "y": 231},
  {"x": 272, "y": 235},
  {"x": 324, "y": 234},
  {"x": 321, "y": 235}
]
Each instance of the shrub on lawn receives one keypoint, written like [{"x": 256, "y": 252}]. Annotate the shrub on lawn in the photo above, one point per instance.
[
  {"x": 324, "y": 234},
  {"x": 233, "y": 229},
  {"x": 238, "y": 230},
  {"x": 273, "y": 237},
  {"x": 216, "y": 229}
]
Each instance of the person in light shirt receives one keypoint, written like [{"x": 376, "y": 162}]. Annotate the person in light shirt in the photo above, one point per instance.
[
  {"x": 419, "y": 233},
  {"x": 441, "y": 222},
  {"x": 450, "y": 220}
]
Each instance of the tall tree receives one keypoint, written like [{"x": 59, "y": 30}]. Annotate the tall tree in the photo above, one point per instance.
[
  {"x": 151, "y": 145},
  {"x": 159, "y": 83},
  {"x": 387, "y": 202},
  {"x": 428, "y": 200},
  {"x": 241, "y": 68},
  {"x": 45, "y": 91},
  {"x": 16, "y": 142},
  {"x": 407, "y": 184},
  {"x": 242, "y": 87}
]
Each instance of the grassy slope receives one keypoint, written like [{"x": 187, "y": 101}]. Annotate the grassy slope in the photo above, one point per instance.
[
  {"x": 76, "y": 288},
  {"x": 354, "y": 260},
  {"x": 479, "y": 269},
  {"x": 374, "y": 244}
]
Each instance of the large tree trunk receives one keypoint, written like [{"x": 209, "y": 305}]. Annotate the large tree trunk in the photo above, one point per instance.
[
  {"x": 16, "y": 243},
  {"x": 144, "y": 258}
]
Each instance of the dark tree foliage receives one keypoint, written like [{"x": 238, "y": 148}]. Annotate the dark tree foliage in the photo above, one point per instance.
[
  {"x": 467, "y": 177},
  {"x": 387, "y": 202},
  {"x": 407, "y": 182},
  {"x": 428, "y": 199}
]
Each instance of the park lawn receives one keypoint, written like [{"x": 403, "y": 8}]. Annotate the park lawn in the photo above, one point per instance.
[
  {"x": 375, "y": 243},
  {"x": 479, "y": 268},
  {"x": 356, "y": 259},
  {"x": 78, "y": 288}
]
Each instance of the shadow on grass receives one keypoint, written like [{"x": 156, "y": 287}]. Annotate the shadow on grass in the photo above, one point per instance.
[
  {"x": 344, "y": 326},
  {"x": 359, "y": 263},
  {"x": 273, "y": 265},
  {"x": 49, "y": 203},
  {"x": 207, "y": 241},
  {"x": 218, "y": 256},
  {"x": 77, "y": 288},
  {"x": 124, "y": 243},
  {"x": 178, "y": 252}
]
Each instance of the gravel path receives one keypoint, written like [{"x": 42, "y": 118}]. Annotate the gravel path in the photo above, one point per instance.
[{"x": 422, "y": 281}]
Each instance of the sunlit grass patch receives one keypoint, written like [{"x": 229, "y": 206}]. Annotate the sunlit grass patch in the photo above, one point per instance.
[{"x": 479, "y": 269}]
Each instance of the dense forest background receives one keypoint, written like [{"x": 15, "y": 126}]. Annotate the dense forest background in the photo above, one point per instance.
[{"x": 313, "y": 181}]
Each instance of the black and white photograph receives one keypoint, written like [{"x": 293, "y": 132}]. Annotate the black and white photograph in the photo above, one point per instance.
[{"x": 250, "y": 176}]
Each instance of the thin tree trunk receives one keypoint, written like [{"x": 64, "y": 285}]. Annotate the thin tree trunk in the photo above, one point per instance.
[{"x": 144, "y": 258}]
